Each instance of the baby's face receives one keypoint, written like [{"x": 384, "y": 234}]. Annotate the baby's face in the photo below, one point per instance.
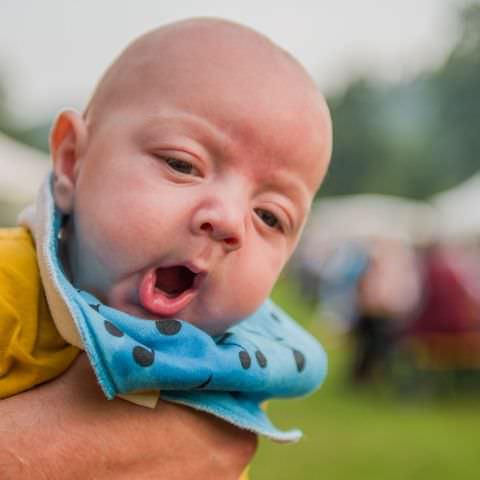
[{"x": 189, "y": 198}]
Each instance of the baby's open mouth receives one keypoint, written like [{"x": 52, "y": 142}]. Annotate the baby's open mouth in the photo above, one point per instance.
[
  {"x": 173, "y": 281},
  {"x": 166, "y": 291}
]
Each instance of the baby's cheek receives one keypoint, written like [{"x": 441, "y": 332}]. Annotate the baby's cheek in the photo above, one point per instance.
[
  {"x": 254, "y": 281},
  {"x": 111, "y": 232}
]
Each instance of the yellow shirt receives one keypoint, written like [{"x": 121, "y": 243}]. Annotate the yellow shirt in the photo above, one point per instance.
[{"x": 31, "y": 349}]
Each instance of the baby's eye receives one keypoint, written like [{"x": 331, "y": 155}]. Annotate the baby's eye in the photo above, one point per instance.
[
  {"x": 181, "y": 166},
  {"x": 268, "y": 218}
]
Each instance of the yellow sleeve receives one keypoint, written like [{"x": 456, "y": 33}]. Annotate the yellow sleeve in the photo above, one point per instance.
[
  {"x": 244, "y": 475},
  {"x": 31, "y": 349}
]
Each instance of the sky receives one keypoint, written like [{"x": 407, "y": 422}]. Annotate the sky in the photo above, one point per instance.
[{"x": 52, "y": 52}]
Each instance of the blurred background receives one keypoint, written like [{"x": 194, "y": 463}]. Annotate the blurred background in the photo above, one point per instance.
[{"x": 388, "y": 273}]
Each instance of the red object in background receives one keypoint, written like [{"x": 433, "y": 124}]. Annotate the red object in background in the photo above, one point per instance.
[
  {"x": 447, "y": 306},
  {"x": 445, "y": 332}
]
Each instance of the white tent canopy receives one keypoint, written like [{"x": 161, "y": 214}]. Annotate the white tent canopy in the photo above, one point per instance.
[
  {"x": 459, "y": 210},
  {"x": 366, "y": 216},
  {"x": 22, "y": 170}
]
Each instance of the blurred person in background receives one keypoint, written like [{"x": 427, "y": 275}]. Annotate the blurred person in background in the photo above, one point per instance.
[
  {"x": 337, "y": 287},
  {"x": 387, "y": 292}
]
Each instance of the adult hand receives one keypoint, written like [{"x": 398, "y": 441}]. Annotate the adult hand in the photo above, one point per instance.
[{"x": 66, "y": 429}]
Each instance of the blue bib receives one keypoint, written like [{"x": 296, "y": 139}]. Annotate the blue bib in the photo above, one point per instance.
[{"x": 266, "y": 355}]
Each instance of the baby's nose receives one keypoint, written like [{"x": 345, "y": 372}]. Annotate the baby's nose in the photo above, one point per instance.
[{"x": 222, "y": 223}]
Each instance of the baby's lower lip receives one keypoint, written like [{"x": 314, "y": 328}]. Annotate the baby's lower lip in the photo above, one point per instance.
[{"x": 160, "y": 303}]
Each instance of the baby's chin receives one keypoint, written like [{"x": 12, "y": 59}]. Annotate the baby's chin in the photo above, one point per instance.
[
  {"x": 213, "y": 323},
  {"x": 211, "y": 317}
]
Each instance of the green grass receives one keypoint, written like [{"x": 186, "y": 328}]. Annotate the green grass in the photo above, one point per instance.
[{"x": 370, "y": 433}]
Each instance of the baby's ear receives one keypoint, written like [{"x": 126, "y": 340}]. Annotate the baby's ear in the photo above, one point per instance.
[{"x": 67, "y": 143}]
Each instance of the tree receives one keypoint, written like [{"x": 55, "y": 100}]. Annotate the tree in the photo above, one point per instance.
[{"x": 411, "y": 139}]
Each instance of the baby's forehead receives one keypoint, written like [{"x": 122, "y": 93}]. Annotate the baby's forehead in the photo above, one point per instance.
[{"x": 196, "y": 52}]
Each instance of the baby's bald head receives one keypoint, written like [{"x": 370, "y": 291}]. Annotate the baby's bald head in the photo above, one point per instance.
[
  {"x": 198, "y": 55},
  {"x": 192, "y": 48}
]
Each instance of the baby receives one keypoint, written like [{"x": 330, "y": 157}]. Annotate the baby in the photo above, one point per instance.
[{"x": 186, "y": 183}]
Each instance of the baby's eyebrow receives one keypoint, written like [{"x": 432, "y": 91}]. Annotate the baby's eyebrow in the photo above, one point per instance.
[{"x": 196, "y": 123}]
